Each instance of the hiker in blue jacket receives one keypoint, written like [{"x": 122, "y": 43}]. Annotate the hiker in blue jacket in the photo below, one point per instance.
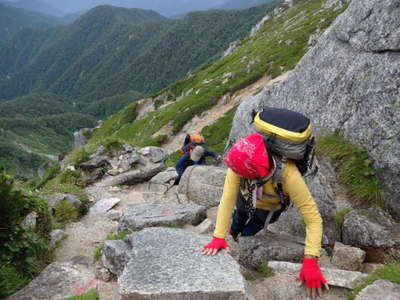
[{"x": 195, "y": 156}]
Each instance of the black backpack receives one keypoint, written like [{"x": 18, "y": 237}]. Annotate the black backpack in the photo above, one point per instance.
[{"x": 287, "y": 135}]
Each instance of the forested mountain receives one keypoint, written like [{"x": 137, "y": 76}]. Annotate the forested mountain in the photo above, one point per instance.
[
  {"x": 112, "y": 50},
  {"x": 239, "y": 4},
  {"x": 164, "y": 7},
  {"x": 14, "y": 19},
  {"x": 74, "y": 75},
  {"x": 35, "y": 5},
  {"x": 34, "y": 126}
]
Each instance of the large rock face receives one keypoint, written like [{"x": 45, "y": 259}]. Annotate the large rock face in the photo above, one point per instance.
[
  {"x": 350, "y": 81},
  {"x": 374, "y": 231},
  {"x": 167, "y": 264}
]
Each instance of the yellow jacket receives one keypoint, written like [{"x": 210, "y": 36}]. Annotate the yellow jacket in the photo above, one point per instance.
[{"x": 294, "y": 186}]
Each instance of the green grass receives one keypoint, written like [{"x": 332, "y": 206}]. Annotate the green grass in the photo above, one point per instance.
[
  {"x": 112, "y": 236},
  {"x": 60, "y": 184},
  {"x": 10, "y": 281},
  {"x": 355, "y": 168},
  {"x": 66, "y": 212},
  {"x": 207, "y": 84},
  {"x": 263, "y": 271},
  {"x": 91, "y": 295},
  {"x": 390, "y": 272},
  {"x": 339, "y": 217},
  {"x": 216, "y": 135}
]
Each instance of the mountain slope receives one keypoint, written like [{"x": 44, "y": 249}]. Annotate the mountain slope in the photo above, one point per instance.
[
  {"x": 39, "y": 6},
  {"x": 35, "y": 128},
  {"x": 14, "y": 19},
  {"x": 112, "y": 50},
  {"x": 239, "y": 4},
  {"x": 276, "y": 48},
  {"x": 164, "y": 7}
]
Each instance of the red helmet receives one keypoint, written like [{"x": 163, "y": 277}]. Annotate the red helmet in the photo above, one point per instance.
[{"x": 249, "y": 158}]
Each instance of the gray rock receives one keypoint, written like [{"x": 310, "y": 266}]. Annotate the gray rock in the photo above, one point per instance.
[
  {"x": 161, "y": 269},
  {"x": 136, "y": 176},
  {"x": 205, "y": 227},
  {"x": 59, "y": 281},
  {"x": 203, "y": 185},
  {"x": 30, "y": 220},
  {"x": 114, "y": 215},
  {"x": 115, "y": 256},
  {"x": 55, "y": 199},
  {"x": 370, "y": 267},
  {"x": 126, "y": 148},
  {"x": 99, "y": 151},
  {"x": 92, "y": 176},
  {"x": 56, "y": 236},
  {"x": 95, "y": 162},
  {"x": 334, "y": 277},
  {"x": 104, "y": 205},
  {"x": 155, "y": 154},
  {"x": 368, "y": 228},
  {"x": 165, "y": 177},
  {"x": 101, "y": 272},
  {"x": 283, "y": 285},
  {"x": 256, "y": 250},
  {"x": 380, "y": 290},
  {"x": 347, "y": 258},
  {"x": 80, "y": 137},
  {"x": 126, "y": 161},
  {"x": 348, "y": 82},
  {"x": 138, "y": 216}
]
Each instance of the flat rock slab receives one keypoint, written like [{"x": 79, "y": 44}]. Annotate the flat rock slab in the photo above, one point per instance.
[
  {"x": 59, "y": 281},
  {"x": 255, "y": 250},
  {"x": 104, "y": 205},
  {"x": 139, "y": 216},
  {"x": 335, "y": 277},
  {"x": 166, "y": 264},
  {"x": 380, "y": 290}
]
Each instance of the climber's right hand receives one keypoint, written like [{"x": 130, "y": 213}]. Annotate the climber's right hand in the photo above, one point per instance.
[{"x": 214, "y": 246}]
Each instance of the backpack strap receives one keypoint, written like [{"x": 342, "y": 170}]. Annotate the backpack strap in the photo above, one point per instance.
[{"x": 278, "y": 179}]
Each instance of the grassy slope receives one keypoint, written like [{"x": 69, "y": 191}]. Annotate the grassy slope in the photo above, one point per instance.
[{"x": 268, "y": 48}]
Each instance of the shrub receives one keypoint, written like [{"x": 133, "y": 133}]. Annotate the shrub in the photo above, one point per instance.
[
  {"x": 23, "y": 250},
  {"x": 10, "y": 281},
  {"x": 79, "y": 156},
  {"x": 49, "y": 175},
  {"x": 66, "y": 212}
]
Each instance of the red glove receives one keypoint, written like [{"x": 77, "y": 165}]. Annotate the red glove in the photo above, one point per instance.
[
  {"x": 311, "y": 273},
  {"x": 217, "y": 243}
]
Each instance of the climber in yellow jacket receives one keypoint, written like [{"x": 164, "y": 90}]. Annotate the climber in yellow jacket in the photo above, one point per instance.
[{"x": 248, "y": 186}]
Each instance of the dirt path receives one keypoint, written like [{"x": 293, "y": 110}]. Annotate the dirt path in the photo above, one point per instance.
[{"x": 90, "y": 231}]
